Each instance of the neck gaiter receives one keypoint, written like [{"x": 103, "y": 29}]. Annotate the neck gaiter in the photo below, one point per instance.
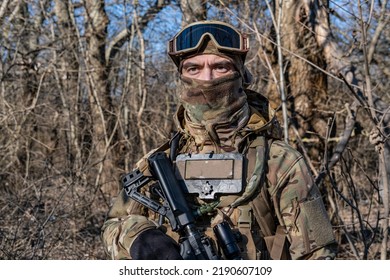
[{"x": 215, "y": 109}]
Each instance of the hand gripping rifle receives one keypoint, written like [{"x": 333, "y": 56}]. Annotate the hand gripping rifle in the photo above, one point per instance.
[{"x": 193, "y": 244}]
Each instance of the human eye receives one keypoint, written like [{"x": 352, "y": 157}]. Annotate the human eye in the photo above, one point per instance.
[
  {"x": 222, "y": 69},
  {"x": 192, "y": 70}
]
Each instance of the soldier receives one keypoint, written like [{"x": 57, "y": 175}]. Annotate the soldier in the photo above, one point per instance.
[{"x": 275, "y": 207}]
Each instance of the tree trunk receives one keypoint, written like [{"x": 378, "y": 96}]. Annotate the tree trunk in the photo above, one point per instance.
[
  {"x": 305, "y": 84},
  {"x": 66, "y": 79},
  {"x": 99, "y": 99}
]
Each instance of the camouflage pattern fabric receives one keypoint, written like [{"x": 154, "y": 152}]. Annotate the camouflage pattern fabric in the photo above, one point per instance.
[
  {"x": 211, "y": 101},
  {"x": 298, "y": 204}
]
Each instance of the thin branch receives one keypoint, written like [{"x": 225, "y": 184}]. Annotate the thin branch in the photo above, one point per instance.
[
  {"x": 142, "y": 87},
  {"x": 383, "y": 21},
  {"x": 304, "y": 151},
  {"x": 3, "y": 7},
  {"x": 281, "y": 74},
  {"x": 121, "y": 38}
]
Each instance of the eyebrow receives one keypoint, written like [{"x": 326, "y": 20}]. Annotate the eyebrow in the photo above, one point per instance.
[
  {"x": 223, "y": 63},
  {"x": 190, "y": 64}
]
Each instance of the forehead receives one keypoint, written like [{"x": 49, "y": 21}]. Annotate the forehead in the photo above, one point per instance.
[{"x": 207, "y": 58}]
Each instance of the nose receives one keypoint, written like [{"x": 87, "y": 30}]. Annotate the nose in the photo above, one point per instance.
[{"x": 206, "y": 74}]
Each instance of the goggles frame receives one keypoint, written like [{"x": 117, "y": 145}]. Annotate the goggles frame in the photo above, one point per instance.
[{"x": 215, "y": 26}]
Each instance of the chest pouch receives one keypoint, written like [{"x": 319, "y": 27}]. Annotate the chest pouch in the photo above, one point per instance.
[{"x": 209, "y": 174}]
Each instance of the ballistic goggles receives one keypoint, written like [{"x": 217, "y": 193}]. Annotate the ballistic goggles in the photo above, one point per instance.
[{"x": 190, "y": 39}]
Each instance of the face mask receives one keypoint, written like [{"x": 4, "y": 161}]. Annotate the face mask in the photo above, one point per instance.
[{"x": 212, "y": 101}]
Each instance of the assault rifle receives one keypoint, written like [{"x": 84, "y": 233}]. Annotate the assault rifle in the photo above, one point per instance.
[{"x": 193, "y": 244}]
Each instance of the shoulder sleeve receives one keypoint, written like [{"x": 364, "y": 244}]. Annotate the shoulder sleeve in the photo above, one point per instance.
[{"x": 299, "y": 205}]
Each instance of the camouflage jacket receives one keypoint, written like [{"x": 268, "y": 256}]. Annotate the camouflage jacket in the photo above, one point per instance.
[{"x": 287, "y": 218}]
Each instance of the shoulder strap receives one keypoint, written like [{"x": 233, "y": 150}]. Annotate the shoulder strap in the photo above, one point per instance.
[
  {"x": 262, "y": 210},
  {"x": 256, "y": 170},
  {"x": 274, "y": 235}
]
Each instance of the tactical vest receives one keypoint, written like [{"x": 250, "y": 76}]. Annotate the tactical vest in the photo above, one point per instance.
[{"x": 252, "y": 213}]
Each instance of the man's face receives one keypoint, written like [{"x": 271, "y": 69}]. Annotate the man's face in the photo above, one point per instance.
[{"x": 207, "y": 67}]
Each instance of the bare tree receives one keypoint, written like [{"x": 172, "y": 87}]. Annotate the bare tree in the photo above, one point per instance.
[{"x": 86, "y": 88}]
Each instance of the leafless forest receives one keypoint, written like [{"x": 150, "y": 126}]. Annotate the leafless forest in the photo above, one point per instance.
[{"x": 86, "y": 88}]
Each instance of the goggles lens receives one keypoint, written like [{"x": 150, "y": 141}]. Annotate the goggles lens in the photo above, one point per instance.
[{"x": 225, "y": 36}]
